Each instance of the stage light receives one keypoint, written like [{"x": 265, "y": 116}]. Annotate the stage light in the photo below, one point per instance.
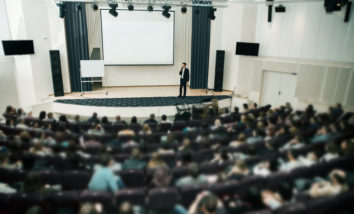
[
  {"x": 94, "y": 6},
  {"x": 211, "y": 14},
  {"x": 113, "y": 10},
  {"x": 280, "y": 9},
  {"x": 78, "y": 7},
  {"x": 165, "y": 12},
  {"x": 184, "y": 9},
  {"x": 130, "y": 7},
  {"x": 61, "y": 10},
  {"x": 150, "y": 8}
]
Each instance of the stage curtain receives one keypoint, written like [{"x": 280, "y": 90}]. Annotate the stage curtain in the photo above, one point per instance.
[
  {"x": 200, "y": 47},
  {"x": 77, "y": 43}
]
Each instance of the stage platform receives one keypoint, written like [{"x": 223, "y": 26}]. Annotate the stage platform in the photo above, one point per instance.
[{"x": 130, "y": 101}]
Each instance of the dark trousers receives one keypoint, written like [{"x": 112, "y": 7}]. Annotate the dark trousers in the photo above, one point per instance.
[{"x": 184, "y": 85}]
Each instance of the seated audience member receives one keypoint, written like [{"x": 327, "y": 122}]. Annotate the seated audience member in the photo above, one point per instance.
[
  {"x": 128, "y": 208},
  {"x": 221, "y": 157},
  {"x": 156, "y": 161},
  {"x": 245, "y": 107},
  {"x": 93, "y": 118},
  {"x": 194, "y": 178},
  {"x": 238, "y": 171},
  {"x": 50, "y": 117},
  {"x": 217, "y": 124},
  {"x": 126, "y": 132},
  {"x": 21, "y": 124},
  {"x": 331, "y": 151},
  {"x": 146, "y": 129},
  {"x": 6, "y": 164},
  {"x": 134, "y": 120},
  {"x": 134, "y": 162},
  {"x": 105, "y": 120},
  {"x": 40, "y": 150},
  {"x": 120, "y": 121},
  {"x": 165, "y": 149},
  {"x": 322, "y": 135},
  {"x": 186, "y": 146},
  {"x": 91, "y": 142},
  {"x": 96, "y": 130},
  {"x": 347, "y": 147},
  {"x": 264, "y": 168},
  {"x": 206, "y": 203},
  {"x": 63, "y": 119},
  {"x": 161, "y": 178},
  {"x": 151, "y": 119},
  {"x": 6, "y": 189},
  {"x": 257, "y": 136},
  {"x": 295, "y": 143},
  {"x": 42, "y": 115},
  {"x": 164, "y": 119},
  {"x": 34, "y": 184},
  {"x": 90, "y": 208},
  {"x": 336, "y": 185},
  {"x": 77, "y": 119},
  {"x": 241, "y": 140},
  {"x": 104, "y": 179},
  {"x": 271, "y": 199}
]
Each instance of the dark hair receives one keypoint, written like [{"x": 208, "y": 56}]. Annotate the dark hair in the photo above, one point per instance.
[
  {"x": 236, "y": 110},
  {"x": 42, "y": 115},
  {"x": 164, "y": 117},
  {"x": 340, "y": 179},
  {"x": 105, "y": 159},
  {"x": 134, "y": 120},
  {"x": 8, "y": 110},
  {"x": 62, "y": 118},
  {"x": 184, "y": 64},
  {"x": 245, "y": 105},
  {"x": 104, "y": 120},
  {"x": 210, "y": 202}
]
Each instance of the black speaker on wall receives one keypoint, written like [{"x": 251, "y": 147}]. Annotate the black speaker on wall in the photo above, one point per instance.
[
  {"x": 56, "y": 73},
  {"x": 219, "y": 70}
]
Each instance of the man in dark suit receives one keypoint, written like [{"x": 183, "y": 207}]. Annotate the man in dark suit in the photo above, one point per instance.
[{"x": 184, "y": 73}]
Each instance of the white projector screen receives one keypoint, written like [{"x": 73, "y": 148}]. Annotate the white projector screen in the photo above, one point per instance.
[{"x": 137, "y": 37}]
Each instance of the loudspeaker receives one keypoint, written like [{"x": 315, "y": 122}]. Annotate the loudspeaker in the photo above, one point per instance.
[
  {"x": 347, "y": 11},
  {"x": 219, "y": 70},
  {"x": 56, "y": 73}
]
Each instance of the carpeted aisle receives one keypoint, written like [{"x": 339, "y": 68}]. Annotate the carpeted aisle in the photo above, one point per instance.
[{"x": 141, "y": 101}]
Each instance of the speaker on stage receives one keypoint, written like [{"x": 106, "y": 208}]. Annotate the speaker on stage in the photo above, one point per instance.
[
  {"x": 219, "y": 70},
  {"x": 56, "y": 73}
]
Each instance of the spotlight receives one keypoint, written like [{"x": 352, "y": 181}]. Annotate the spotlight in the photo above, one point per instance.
[
  {"x": 78, "y": 7},
  {"x": 61, "y": 10},
  {"x": 211, "y": 14},
  {"x": 113, "y": 11},
  {"x": 130, "y": 7},
  {"x": 184, "y": 9},
  {"x": 94, "y": 6},
  {"x": 280, "y": 9},
  {"x": 150, "y": 8},
  {"x": 165, "y": 12}
]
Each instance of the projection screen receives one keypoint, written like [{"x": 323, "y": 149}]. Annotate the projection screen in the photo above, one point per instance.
[{"x": 137, "y": 37}]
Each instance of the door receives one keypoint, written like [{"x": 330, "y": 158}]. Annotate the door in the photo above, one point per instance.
[{"x": 278, "y": 88}]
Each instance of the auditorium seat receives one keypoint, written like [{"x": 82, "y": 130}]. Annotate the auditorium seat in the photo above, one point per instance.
[
  {"x": 132, "y": 177},
  {"x": 189, "y": 193},
  {"x": 135, "y": 196},
  {"x": 164, "y": 127},
  {"x": 162, "y": 199}
]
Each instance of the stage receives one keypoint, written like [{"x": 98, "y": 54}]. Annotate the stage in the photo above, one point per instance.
[{"x": 130, "y": 101}]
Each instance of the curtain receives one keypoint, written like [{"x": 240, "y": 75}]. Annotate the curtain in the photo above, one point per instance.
[
  {"x": 200, "y": 47},
  {"x": 77, "y": 43}
]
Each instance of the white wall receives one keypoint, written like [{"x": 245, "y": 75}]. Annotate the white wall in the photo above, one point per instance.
[
  {"x": 5, "y": 31},
  {"x": 8, "y": 89},
  {"x": 37, "y": 21},
  {"x": 147, "y": 75},
  {"x": 306, "y": 31}
]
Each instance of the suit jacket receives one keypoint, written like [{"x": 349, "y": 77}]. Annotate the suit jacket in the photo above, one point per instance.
[{"x": 185, "y": 75}]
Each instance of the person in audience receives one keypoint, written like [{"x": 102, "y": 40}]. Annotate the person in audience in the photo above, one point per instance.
[
  {"x": 161, "y": 178},
  {"x": 42, "y": 115},
  {"x": 6, "y": 164},
  {"x": 156, "y": 161},
  {"x": 206, "y": 203},
  {"x": 134, "y": 162},
  {"x": 105, "y": 120},
  {"x": 186, "y": 146},
  {"x": 331, "y": 152},
  {"x": 90, "y": 208},
  {"x": 164, "y": 119},
  {"x": 40, "y": 150},
  {"x": 347, "y": 147},
  {"x": 245, "y": 107},
  {"x": 120, "y": 121},
  {"x": 34, "y": 184},
  {"x": 50, "y": 117},
  {"x": 96, "y": 130},
  {"x": 93, "y": 119},
  {"x": 6, "y": 189},
  {"x": 322, "y": 135},
  {"x": 238, "y": 171},
  {"x": 2, "y": 135},
  {"x": 295, "y": 143},
  {"x": 146, "y": 129},
  {"x": 257, "y": 136},
  {"x": 241, "y": 140},
  {"x": 194, "y": 178},
  {"x": 217, "y": 124},
  {"x": 165, "y": 149},
  {"x": 271, "y": 199},
  {"x": 104, "y": 179},
  {"x": 63, "y": 119},
  {"x": 21, "y": 124},
  {"x": 126, "y": 132},
  {"x": 151, "y": 119},
  {"x": 336, "y": 185},
  {"x": 134, "y": 120}
]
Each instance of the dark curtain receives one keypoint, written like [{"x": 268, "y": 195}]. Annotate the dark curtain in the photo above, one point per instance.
[
  {"x": 200, "y": 47},
  {"x": 77, "y": 43}
]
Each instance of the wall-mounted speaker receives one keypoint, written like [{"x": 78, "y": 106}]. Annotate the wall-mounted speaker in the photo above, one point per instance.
[
  {"x": 219, "y": 70},
  {"x": 56, "y": 73}
]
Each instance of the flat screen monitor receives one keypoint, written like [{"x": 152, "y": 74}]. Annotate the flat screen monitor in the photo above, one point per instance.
[
  {"x": 18, "y": 47},
  {"x": 246, "y": 48}
]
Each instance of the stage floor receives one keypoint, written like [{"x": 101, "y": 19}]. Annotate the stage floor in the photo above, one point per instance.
[{"x": 153, "y": 92}]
